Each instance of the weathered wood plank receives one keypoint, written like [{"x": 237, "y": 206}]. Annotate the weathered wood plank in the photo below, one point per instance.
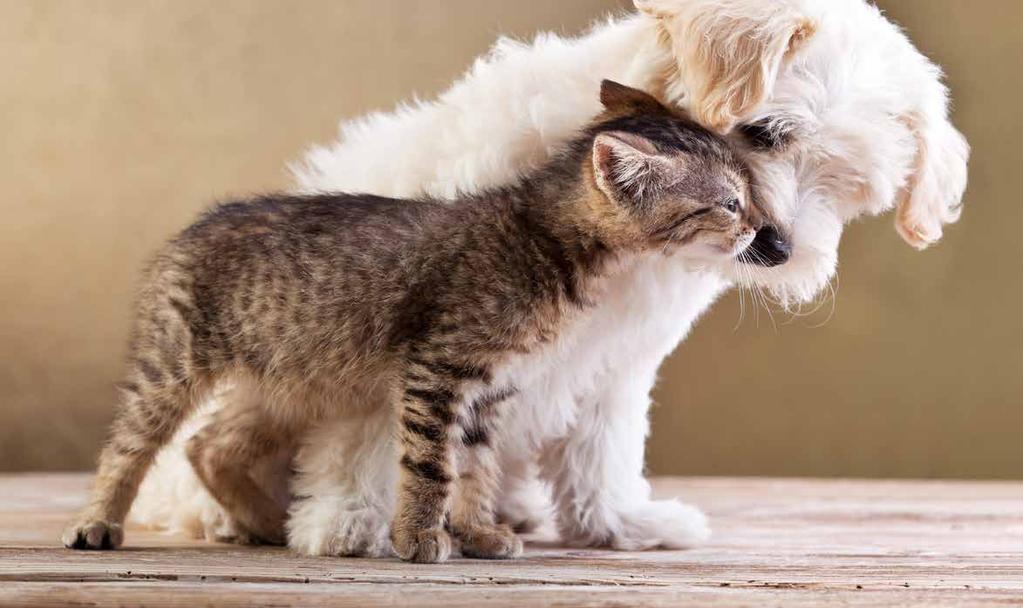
[{"x": 777, "y": 542}]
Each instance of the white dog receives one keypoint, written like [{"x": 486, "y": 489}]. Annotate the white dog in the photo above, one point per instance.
[{"x": 838, "y": 116}]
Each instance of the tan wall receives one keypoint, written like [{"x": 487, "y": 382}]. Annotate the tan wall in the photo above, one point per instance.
[{"x": 121, "y": 119}]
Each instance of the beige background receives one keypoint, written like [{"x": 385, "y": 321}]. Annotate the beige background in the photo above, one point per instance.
[{"x": 121, "y": 119}]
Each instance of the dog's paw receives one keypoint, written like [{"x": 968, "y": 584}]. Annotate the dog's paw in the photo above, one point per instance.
[
  {"x": 526, "y": 509},
  {"x": 490, "y": 542},
  {"x": 93, "y": 534},
  {"x": 423, "y": 546},
  {"x": 362, "y": 532},
  {"x": 655, "y": 524},
  {"x": 663, "y": 524}
]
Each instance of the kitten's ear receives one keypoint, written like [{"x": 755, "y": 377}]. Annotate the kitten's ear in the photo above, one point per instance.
[
  {"x": 626, "y": 165},
  {"x": 619, "y": 98}
]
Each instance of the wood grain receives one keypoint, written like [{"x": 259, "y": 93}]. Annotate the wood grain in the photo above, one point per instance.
[{"x": 777, "y": 542}]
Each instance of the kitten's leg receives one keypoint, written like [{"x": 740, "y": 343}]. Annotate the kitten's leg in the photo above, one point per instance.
[
  {"x": 428, "y": 411},
  {"x": 154, "y": 402},
  {"x": 223, "y": 453},
  {"x": 472, "y": 517},
  {"x": 600, "y": 493},
  {"x": 173, "y": 498}
]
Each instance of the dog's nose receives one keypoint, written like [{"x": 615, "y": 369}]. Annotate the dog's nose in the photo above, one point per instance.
[{"x": 769, "y": 248}]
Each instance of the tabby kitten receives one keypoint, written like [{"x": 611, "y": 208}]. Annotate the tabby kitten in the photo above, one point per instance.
[{"x": 318, "y": 306}]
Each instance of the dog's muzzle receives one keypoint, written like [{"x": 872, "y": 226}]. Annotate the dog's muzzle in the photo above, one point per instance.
[{"x": 769, "y": 248}]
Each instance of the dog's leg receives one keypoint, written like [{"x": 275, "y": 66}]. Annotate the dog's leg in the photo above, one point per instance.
[
  {"x": 601, "y": 496},
  {"x": 523, "y": 500},
  {"x": 346, "y": 474}
]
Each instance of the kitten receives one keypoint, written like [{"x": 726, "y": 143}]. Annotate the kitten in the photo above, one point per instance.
[{"x": 322, "y": 305}]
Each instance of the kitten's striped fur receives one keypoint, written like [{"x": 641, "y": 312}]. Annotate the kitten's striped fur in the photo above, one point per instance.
[{"x": 314, "y": 304}]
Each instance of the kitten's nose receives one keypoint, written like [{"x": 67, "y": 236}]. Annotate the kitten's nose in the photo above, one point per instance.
[{"x": 769, "y": 248}]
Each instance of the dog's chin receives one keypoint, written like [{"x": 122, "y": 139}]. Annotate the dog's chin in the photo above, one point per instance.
[{"x": 798, "y": 281}]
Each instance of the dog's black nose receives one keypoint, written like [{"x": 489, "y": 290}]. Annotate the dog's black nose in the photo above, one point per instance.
[{"x": 769, "y": 248}]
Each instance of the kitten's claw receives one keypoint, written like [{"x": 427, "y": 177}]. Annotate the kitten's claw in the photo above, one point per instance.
[
  {"x": 423, "y": 547},
  {"x": 93, "y": 534},
  {"x": 497, "y": 542}
]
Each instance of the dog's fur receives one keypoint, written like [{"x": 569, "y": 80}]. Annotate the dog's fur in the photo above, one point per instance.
[{"x": 840, "y": 116}]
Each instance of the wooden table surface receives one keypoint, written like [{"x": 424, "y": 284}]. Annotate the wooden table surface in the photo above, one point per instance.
[{"x": 776, "y": 542}]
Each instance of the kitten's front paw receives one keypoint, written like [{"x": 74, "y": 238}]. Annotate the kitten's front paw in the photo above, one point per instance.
[
  {"x": 497, "y": 542},
  {"x": 93, "y": 534},
  {"x": 655, "y": 524},
  {"x": 423, "y": 546}
]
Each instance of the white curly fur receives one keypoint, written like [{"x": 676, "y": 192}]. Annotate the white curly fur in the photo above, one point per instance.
[{"x": 870, "y": 131}]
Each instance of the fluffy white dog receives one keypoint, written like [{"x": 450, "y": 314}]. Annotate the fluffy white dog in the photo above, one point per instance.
[{"x": 838, "y": 116}]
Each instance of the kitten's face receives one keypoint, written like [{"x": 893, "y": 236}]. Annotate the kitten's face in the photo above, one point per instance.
[
  {"x": 693, "y": 198},
  {"x": 676, "y": 185}
]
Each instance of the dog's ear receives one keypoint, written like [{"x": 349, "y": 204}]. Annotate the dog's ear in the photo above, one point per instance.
[
  {"x": 618, "y": 98},
  {"x": 729, "y": 52},
  {"x": 933, "y": 193},
  {"x": 626, "y": 165}
]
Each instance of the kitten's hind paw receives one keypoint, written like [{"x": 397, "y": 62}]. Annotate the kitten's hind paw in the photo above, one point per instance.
[
  {"x": 497, "y": 542},
  {"x": 226, "y": 529},
  {"x": 93, "y": 534}
]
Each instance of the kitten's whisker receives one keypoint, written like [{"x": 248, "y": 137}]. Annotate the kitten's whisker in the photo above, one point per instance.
[
  {"x": 757, "y": 294},
  {"x": 739, "y": 262},
  {"x": 754, "y": 288}
]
